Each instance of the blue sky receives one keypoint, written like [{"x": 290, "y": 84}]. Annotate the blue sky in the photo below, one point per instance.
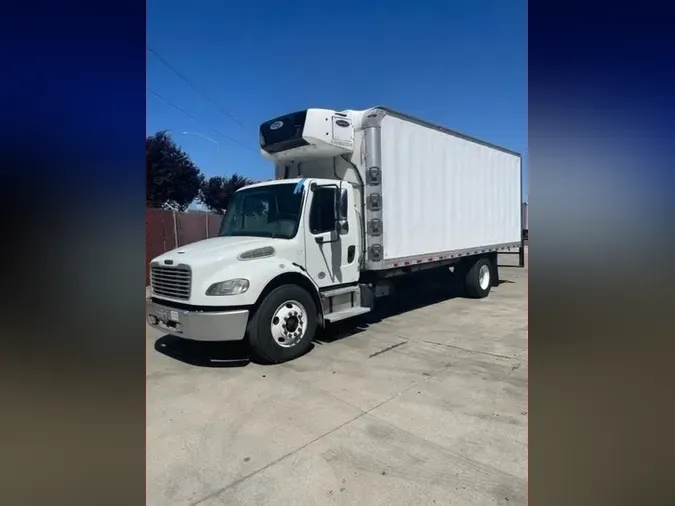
[{"x": 458, "y": 63}]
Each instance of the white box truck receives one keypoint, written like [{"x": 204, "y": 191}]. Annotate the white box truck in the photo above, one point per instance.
[{"x": 360, "y": 198}]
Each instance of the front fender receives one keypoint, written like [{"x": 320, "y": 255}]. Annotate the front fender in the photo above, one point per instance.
[{"x": 259, "y": 274}]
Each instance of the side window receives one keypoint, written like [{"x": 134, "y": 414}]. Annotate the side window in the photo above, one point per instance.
[{"x": 321, "y": 216}]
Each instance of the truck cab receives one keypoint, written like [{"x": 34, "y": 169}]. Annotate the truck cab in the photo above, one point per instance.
[
  {"x": 307, "y": 222},
  {"x": 288, "y": 254}
]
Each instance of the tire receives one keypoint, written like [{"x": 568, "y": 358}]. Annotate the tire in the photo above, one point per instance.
[
  {"x": 275, "y": 333},
  {"x": 479, "y": 279}
]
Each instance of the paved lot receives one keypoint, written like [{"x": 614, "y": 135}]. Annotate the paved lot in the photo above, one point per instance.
[{"x": 427, "y": 404}]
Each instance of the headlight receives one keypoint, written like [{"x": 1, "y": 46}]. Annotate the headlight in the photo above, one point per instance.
[{"x": 229, "y": 287}]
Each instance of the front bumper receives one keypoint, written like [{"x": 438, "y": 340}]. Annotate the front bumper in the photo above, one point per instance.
[{"x": 198, "y": 325}]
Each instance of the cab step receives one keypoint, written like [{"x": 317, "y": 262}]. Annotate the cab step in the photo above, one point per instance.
[
  {"x": 340, "y": 291},
  {"x": 346, "y": 313}
]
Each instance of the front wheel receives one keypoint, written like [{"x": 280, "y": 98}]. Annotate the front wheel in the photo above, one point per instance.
[{"x": 283, "y": 326}]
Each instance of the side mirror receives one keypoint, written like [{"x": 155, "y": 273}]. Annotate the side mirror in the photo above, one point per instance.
[
  {"x": 342, "y": 227},
  {"x": 341, "y": 212}
]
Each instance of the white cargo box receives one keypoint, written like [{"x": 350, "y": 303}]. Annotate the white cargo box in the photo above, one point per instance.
[{"x": 442, "y": 194}]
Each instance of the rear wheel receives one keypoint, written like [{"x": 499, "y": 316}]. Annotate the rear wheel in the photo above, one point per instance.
[
  {"x": 283, "y": 326},
  {"x": 479, "y": 278}
]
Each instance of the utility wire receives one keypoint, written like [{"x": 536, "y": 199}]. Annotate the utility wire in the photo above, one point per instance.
[
  {"x": 194, "y": 87},
  {"x": 168, "y": 102}
]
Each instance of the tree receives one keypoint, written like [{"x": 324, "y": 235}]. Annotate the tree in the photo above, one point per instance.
[
  {"x": 173, "y": 180},
  {"x": 217, "y": 191}
]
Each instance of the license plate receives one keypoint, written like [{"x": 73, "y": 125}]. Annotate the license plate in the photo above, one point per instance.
[{"x": 174, "y": 316}]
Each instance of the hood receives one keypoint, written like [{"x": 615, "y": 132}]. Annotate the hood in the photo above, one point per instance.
[{"x": 218, "y": 249}]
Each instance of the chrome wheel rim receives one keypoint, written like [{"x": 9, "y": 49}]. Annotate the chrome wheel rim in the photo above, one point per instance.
[
  {"x": 289, "y": 324},
  {"x": 484, "y": 277}
]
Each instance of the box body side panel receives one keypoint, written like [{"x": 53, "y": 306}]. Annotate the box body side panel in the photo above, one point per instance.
[{"x": 442, "y": 193}]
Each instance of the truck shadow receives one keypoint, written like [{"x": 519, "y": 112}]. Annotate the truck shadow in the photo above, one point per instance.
[
  {"x": 411, "y": 296},
  {"x": 203, "y": 354},
  {"x": 221, "y": 354}
]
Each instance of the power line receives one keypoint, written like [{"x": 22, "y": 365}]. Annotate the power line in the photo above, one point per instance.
[
  {"x": 226, "y": 137},
  {"x": 194, "y": 87}
]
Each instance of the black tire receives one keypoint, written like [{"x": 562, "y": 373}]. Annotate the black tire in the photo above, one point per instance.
[
  {"x": 263, "y": 345},
  {"x": 473, "y": 277}
]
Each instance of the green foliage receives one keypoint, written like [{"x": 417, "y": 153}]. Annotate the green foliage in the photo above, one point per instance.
[
  {"x": 217, "y": 191},
  {"x": 173, "y": 180}
]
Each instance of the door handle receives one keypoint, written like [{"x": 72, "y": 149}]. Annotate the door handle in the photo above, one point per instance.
[{"x": 351, "y": 253}]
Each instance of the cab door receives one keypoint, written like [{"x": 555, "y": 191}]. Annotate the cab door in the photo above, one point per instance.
[{"x": 331, "y": 252}]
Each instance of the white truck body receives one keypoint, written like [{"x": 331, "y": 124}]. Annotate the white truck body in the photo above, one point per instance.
[
  {"x": 461, "y": 195},
  {"x": 359, "y": 198}
]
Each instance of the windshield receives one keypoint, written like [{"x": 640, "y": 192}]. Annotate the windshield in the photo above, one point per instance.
[{"x": 265, "y": 211}]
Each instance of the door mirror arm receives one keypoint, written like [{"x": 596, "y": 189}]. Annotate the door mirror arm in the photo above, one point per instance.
[{"x": 321, "y": 238}]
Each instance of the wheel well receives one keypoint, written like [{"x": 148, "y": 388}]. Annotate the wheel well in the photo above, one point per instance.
[{"x": 292, "y": 278}]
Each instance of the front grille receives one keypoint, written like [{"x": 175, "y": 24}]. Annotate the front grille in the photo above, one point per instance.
[{"x": 171, "y": 281}]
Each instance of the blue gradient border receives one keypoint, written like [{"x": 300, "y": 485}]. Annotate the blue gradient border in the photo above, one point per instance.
[
  {"x": 601, "y": 218},
  {"x": 73, "y": 250},
  {"x": 74, "y": 82}
]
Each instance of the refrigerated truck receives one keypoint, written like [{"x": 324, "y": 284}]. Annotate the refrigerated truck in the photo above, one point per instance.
[{"x": 359, "y": 200}]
